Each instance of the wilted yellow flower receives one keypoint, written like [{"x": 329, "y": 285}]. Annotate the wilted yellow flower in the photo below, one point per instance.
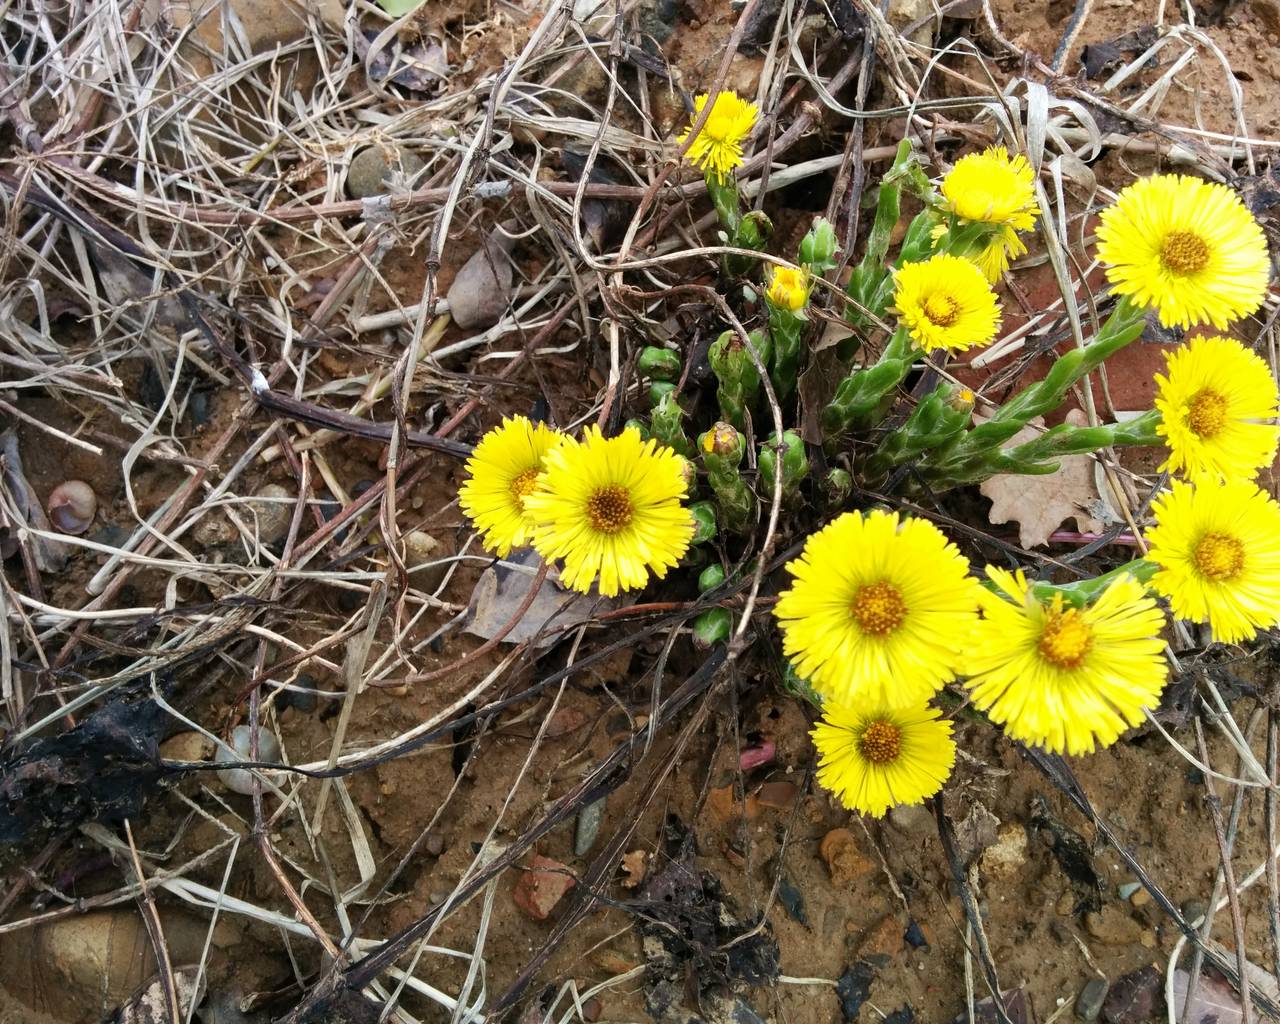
[
  {"x": 1217, "y": 410},
  {"x": 503, "y": 471},
  {"x": 878, "y": 611},
  {"x": 945, "y": 302},
  {"x": 718, "y": 147},
  {"x": 873, "y": 757},
  {"x": 1063, "y": 678},
  {"x": 994, "y": 188},
  {"x": 1004, "y": 245},
  {"x": 611, "y": 508},
  {"x": 788, "y": 289},
  {"x": 1218, "y": 548},
  {"x": 1188, "y": 247}
]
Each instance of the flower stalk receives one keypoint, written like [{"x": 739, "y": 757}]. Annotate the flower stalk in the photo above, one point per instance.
[
  {"x": 722, "y": 450},
  {"x": 739, "y": 379},
  {"x": 794, "y": 461}
]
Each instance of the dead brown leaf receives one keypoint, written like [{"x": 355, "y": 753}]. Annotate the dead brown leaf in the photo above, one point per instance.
[{"x": 1041, "y": 504}]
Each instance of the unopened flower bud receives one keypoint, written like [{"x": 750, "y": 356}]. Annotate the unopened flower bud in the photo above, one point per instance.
[
  {"x": 960, "y": 400},
  {"x": 704, "y": 521},
  {"x": 710, "y": 578},
  {"x": 722, "y": 439},
  {"x": 658, "y": 363},
  {"x": 818, "y": 247},
  {"x": 788, "y": 289}
]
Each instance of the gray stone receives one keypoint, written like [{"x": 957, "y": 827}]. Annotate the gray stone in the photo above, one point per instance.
[
  {"x": 374, "y": 168},
  {"x": 589, "y": 819},
  {"x": 1089, "y": 1001},
  {"x": 272, "y": 512}
]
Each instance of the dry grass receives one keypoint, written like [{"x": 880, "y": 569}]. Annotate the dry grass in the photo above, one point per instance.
[{"x": 180, "y": 199}]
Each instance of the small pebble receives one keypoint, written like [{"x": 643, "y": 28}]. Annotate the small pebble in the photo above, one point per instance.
[
  {"x": 914, "y": 936},
  {"x": 792, "y": 900},
  {"x": 589, "y": 819},
  {"x": 240, "y": 780},
  {"x": 1194, "y": 910},
  {"x": 372, "y": 168},
  {"x": 273, "y": 513},
  {"x": 1128, "y": 889},
  {"x": 1089, "y": 1001},
  {"x": 853, "y": 988},
  {"x": 434, "y": 844}
]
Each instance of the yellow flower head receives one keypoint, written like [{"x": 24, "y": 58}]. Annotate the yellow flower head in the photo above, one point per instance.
[
  {"x": 1212, "y": 405},
  {"x": 992, "y": 187},
  {"x": 788, "y": 289},
  {"x": 718, "y": 147},
  {"x": 610, "y": 507},
  {"x": 878, "y": 611},
  {"x": 945, "y": 302},
  {"x": 1218, "y": 549},
  {"x": 503, "y": 470},
  {"x": 873, "y": 757},
  {"x": 1188, "y": 247},
  {"x": 1064, "y": 678}
]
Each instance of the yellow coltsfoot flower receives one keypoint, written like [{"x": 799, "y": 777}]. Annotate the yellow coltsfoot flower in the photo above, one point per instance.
[
  {"x": 788, "y": 289},
  {"x": 1188, "y": 247},
  {"x": 994, "y": 188},
  {"x": 1063, "y": 678},
  {"x": 878, "y": 611},
  {"x": 503, "y": 470},
  {"x": 1217, "y": 410},
  {"x": 1218, "y": 549},
  {"x": 718, "y": 147},
  {"x": 873, "y": 757},
  {"x": 945, "y": 302},
  {"x": 611, "y": 508}
]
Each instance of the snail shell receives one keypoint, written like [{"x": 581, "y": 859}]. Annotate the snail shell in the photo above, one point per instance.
[
  {"x": 240, "y": 780},
  {"x": 72, "y": 506}
]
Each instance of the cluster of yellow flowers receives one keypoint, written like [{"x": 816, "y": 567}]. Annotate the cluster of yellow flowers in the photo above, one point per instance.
[
  {"x": 611, "y": 508},
  {"x": 883, "y": 612}
]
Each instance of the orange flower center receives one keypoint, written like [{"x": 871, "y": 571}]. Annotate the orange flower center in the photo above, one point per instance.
[
  {"x": 610, "y": 510},
  {"x": 523, "y": 485},
  {"x": 878, "y": 609},
  {"x": 1184, "y": 252},
  {"x": 880, "y": 742},
  {"x": 941, "y": 310},
  {"x": 1207, "y": 413},
  {"x": 1219, "y": 557},
  {"x": 1066, "y": 639}
]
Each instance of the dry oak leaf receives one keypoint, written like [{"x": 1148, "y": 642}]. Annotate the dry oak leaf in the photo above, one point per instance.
[{"x": 1040, "y": 504}]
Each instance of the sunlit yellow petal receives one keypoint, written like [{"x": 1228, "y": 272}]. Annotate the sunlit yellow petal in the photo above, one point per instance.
[
  {"x": 1188, "y": 247},
  {"x": 788, "y": 289},
  {"x": 993, "y": 188},
  {"x": 878, "y": 609},
  {"x": 1218, "y": 548},
  {"x": 718, "y": 147},
  {"x": 1062, "y": 678},
  {"x": 502, "y": 472},
  {"x": 873, "y": 757},
  {"x": 612, "y": 509},
  {"x": 1217, "y": 410},
  {"x": 945, "y": 302}
]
